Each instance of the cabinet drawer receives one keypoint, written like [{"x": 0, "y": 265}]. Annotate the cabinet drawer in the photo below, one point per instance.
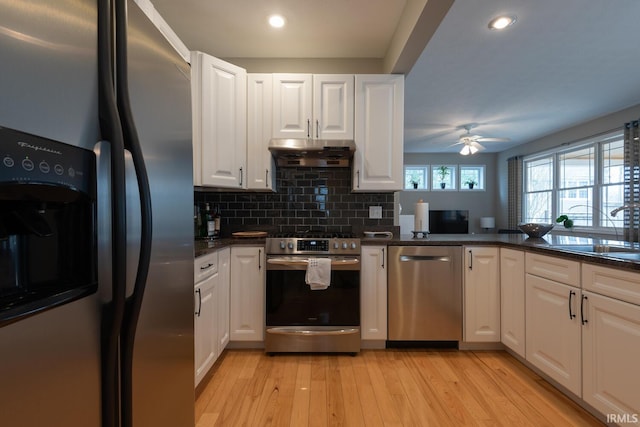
[
  {"x": 557, "y": 269},
  {"x": 622, "y": 285},
  {"x": 205, "y": 266}
]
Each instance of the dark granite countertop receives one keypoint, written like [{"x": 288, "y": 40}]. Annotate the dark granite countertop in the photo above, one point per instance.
[{"x": 548, "y": 245}]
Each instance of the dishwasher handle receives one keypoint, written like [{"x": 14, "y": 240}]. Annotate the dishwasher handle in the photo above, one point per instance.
[{"x": 407, "y": 258}]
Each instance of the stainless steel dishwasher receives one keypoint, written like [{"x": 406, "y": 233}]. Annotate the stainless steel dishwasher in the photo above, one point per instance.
[{"x": 425, "y": 293}]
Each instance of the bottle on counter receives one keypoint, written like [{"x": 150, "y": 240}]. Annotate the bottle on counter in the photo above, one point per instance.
[
  {"x": 216, "y": 222},
  {"x": 209, "y": 222},
  {"x": 197, "y": 222}
]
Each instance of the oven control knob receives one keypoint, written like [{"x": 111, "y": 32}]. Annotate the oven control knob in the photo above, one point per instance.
[
  {"x": 290, "y": 245},
  {"x": 282, "y": 245},
  {"x": 353, "y": 245},
  {"x": 336, "y": 245},
  {"x": 344, "y": 245}
]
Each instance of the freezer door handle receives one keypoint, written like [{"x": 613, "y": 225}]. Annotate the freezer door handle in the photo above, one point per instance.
[{"x": 407, "y": 258}]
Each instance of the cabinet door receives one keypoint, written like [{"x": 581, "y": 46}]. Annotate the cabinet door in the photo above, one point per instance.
[
  {"x": 553, "y": 342},
  {"x": 611, "y": 348},
  {"x": 333, "y": 106},
  {"x": 373, "y": 293},
  {"x": 205, "y": 326},
  {"x": 219, "y": 122},
  {"x": 481, "y": 294},
  {"x": 247, "y": 293},
  {"x": 224, "y": 287},
  {"x": 512, "y": 308},
  {"x": 292, "y": 104},
  {"x": 379, "y": 130},
  {"x": 260, "y": 164}
]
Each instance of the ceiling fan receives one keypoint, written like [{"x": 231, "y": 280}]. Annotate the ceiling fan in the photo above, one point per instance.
[{"x": 471, "y": 143}]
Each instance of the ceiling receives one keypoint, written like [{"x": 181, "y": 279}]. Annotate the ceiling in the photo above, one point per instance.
[{"x": 562, "y": 63}]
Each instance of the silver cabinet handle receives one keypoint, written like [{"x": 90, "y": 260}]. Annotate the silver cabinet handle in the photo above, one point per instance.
[
  {"x": 382, "y": 257},
  {"x": 470, "y": 260},
  {"x": 240, "y": 177},
  {"x": 259, "y": 259},
  {"x": 308, "y": 128},
  {"x": 205, "y": 267},
  {"x": 406, "y": 258},
  {"x": 358, "y": 178},
  {"x": 266, "y": 178},
  {"x": 317, "y": 128}
]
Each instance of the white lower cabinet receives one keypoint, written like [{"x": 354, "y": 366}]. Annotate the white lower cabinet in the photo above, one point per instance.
[
  {"x": 481, "y": 294},
  {"x": 611, "y": 343},
  {"x": 512, "y": 302},
  {"x": 247, "y": 311},
  {"x": 211, "y": 324},
  {"x": 373, "y": 293},
  {"x": 224, "y": 280},
  {"x": 553, "y": 330},
  {"x": 206, "y": 314}
]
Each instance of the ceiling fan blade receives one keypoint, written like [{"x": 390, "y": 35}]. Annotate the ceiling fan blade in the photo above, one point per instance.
[
  {"x": 478, "y": 145},
  {"x": 482, "y": 139}
]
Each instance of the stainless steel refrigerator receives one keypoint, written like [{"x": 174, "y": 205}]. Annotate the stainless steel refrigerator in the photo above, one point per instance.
[{"x": 69, "y": 365}]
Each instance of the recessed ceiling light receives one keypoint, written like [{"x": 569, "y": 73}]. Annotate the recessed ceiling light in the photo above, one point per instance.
[
  {"x": 502, "y": 22},
  {"x": 276, "y": 21}
]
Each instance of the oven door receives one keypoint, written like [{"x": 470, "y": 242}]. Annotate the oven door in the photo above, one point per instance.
[{"x": 291, "y": 302}]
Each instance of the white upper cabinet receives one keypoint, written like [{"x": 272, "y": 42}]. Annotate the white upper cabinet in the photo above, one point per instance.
[
  {"x": 316, "y": 106},
  {"x": 219, "y": 97},
  {"x": 260, "y": 163},
  {"x": 332, "y": 106},
  {"x": 379, "y": 130}
]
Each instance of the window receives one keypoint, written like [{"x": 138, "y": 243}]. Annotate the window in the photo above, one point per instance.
[
  {"x": 471, "y": 177},
  {"x": 575, "y": 185},
  {"x": 612, "y": 189},
  {"x": 538, "y": 190},
  {"x": 443, "y": 177},
  {"x": 584, "y": 182},
  {"x": 415, "y": 177}
]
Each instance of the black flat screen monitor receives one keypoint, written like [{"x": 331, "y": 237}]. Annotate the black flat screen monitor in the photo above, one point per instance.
[{"x": 449, "y": 222}]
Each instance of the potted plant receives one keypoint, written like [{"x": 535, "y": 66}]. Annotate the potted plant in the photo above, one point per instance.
[
  {"x": 471, "y": 182},
  {"x": 415, "y": 184},
  {"x": 443, "y": 172}
]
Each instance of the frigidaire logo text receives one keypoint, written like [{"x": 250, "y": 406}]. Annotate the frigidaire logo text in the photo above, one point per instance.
[{"x": 38, "y": 148}]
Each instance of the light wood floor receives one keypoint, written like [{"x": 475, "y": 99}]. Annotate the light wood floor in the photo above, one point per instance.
[{"x": 381, "y": 388}]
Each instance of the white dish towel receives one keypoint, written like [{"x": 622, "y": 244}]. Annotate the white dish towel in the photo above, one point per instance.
[{"x": 318, "y": 275}]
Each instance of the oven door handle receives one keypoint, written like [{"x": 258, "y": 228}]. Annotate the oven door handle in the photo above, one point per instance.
[{"x": 305, "y": 261}]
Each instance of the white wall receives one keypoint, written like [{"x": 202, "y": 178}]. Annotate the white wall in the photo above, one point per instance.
[
  {"x": 588, "y": 129},
  {"x": 479, "y": 203}
]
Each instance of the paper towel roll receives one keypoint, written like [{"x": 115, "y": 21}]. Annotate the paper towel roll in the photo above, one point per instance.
[{"x": 421, "y": 221}]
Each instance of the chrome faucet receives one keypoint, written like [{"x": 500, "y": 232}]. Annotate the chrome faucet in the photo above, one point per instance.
[
  {"x": 623, "y": 207},
  {"x": 604, "y": 215}
]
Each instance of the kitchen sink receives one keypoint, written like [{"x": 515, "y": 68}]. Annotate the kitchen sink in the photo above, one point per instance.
[
  {"x": 598, "y": 249},
  {"x": 610, "y": 251}
]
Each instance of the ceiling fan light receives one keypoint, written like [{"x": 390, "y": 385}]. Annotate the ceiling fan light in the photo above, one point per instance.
[
  {"x": 466, "y": 150},
  {"x": 472, "y": 149}
]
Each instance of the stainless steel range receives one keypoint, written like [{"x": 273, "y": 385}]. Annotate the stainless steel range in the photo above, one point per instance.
[{"x": 300, "y": 319}]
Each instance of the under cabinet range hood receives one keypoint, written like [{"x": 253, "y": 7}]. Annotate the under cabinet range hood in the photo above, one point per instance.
[{"x": 312, "y": 152}]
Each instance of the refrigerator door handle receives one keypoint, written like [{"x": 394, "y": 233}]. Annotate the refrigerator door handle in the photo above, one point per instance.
[
  {"x": 131, "y": 143},
  {"x": 111, "y": 132}
]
